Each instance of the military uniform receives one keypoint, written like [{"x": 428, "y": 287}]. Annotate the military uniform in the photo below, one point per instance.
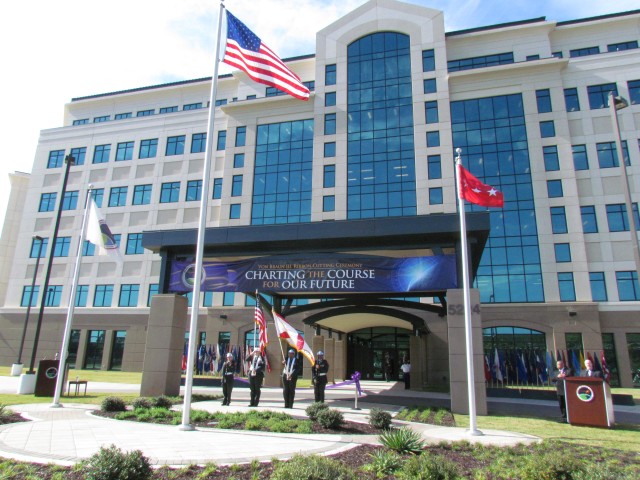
[{"x": 320, "y": 370}]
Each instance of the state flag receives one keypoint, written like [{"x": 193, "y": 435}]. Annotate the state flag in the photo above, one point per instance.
[
  {"x": 293, "y": 337},
  {"x": 100, "y": 235}
]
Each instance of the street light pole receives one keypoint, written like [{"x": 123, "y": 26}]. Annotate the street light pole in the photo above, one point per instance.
[
  {"x": 69, "y": 160},
  {"x": 33, "y": 286},
  {"x": 615, "y": 104}
]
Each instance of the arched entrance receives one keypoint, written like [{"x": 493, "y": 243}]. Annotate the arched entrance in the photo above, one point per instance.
[{"x": 368, "y": 347}]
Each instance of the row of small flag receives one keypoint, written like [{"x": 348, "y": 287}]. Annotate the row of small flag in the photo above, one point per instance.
[{"x": 534, "y": 367}]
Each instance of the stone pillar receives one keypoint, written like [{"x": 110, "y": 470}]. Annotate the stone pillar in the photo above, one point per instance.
[
  {"x": 418, "y": 362},
  {"x": 329, "y": 355},
  {"x": 105, "y": 364},
  {"x": 274, "y": 356},
  {"x": 161, "y": 371},
  {"x": 317, "y": 343},
  {"x": 82, "y": 350},
  {"x": 339, "y": 361},
  {"x": 458, "y": 353}
]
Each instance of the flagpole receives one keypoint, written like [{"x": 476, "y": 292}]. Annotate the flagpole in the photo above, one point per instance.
[
  {"x": 473, "y": 430},
  {"x": 255, "y": 324},
  {"x": 195, "y": 304},
  {"x": 62, "y": 366}
]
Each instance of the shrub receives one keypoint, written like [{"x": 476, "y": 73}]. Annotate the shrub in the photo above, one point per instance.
[
  {"x": 113, "y": 464},
  {"x": 163, "y": 402},
  {"x": 313, "y": 467},
  {"x": 113, "y": 404},
  {"x": 330, "y": 418},
  {"x": 141, "y": 402},
  {"x": 125, "y": 415},
  {"x": 314, "y": 409},
  {"x": 383, "y": 463},
  {"x": 198, "y": 416},
  {"x": 402, "y": 440},
  {"x": 379, "y": 418},
  {"x": 429, "y": 467}
]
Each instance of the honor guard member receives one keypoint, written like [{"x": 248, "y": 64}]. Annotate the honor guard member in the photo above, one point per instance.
[
  {"x": 256, "y": 375},
  {"x": 319, "y": 371},
  {"x": 228, "y": 371},
  {"x": 292, "y": 370}
]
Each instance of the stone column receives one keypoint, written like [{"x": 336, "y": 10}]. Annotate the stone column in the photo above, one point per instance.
[
  {"x": 161, "y": 371},
  {"x": 417, "y": 360},
  {"x": 105, "y": 364},
  {"x": 329, "y": 355},
  {"x": 339, "y": 365},
  {"x": 274, "y": 356},
  {"x": 458, "y": 354}
]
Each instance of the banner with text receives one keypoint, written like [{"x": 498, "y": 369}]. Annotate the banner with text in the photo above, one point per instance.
[{"x": 336, "y": 273}]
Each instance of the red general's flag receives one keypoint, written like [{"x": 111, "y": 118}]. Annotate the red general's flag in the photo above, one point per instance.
[
  {"x": 293, "y": 337},
  {"x": 246, "y": 51},
  {"x": 473, "y": 190}
]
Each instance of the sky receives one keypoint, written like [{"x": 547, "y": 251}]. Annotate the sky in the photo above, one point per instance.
[{"x": 51, "y": 52}]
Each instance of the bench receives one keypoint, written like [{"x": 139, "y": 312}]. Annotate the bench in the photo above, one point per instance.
[{"x": 78, "y": 384}]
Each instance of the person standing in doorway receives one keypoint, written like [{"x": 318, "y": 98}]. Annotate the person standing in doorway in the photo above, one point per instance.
[
  {"x": 561, "y": 373},
  {"x": 406, "y": 373},
  {"x": 320, "y": 370},
  {"x": 388, "y": 367},
  {"x": 256, "y": 375},
  {"x": 292, "y": 369},
  {"x": 228, "y": 371}
]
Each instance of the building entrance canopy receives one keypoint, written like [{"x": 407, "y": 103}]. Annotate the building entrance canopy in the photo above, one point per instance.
[
  {"x": 393, "y": 255},
  {"x": 328, "y": 273}
]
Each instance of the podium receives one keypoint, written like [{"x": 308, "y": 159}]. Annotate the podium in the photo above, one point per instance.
[{"x": 588, "y": 402}]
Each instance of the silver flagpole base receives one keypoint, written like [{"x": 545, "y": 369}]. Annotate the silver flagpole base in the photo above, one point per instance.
[
  {"x": 475, "y": 433},
  {"x": 187, "y": 428}
]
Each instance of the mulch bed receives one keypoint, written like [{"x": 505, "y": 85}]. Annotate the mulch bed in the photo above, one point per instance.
[{"x": 11, "y": 417}]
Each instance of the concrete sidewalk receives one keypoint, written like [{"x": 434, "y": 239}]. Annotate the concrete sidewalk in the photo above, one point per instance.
[{"x": 69, "y": 434}]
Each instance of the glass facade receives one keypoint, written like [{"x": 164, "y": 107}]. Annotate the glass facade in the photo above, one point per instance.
[
  {"x": 380, "y": 144},
  {"x": 282, "y": 177},
  {"x": 492, "y": 135}
]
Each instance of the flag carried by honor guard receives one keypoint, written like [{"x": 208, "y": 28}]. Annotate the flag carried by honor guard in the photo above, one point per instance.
[
  {"x": 474, "y": 191},
  {"x": 293, "y": 337},
  {"x": 100, "y": 235},
  {"x": 262, "y": 326},
  {"x": 246, "y": 51}
]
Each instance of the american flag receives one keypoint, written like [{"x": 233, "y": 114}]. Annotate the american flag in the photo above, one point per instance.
[
  {"x": 262, "y": 326},
  {"x": 246, "y": 51}
]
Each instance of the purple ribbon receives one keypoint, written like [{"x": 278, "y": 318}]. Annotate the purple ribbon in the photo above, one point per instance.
[{"x": 355, "y": 378}]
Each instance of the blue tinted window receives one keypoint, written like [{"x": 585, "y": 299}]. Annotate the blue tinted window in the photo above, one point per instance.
[
  {"x": 79, "y": 155},
  {"x": 70, "y": 200},
  {"x": 28, "y": 296},
  {"x": 571, "y": 100},
  {"x": 236, "y": 186},
  {"x": 434, "y": 164},
  {"x": 328, "y": 203},
  {"x": 217, "y": 189},
  {"x": 329, "y": 177},
  {"x": 608, "y": 154},
  {"x": 170, "y": 192},
  {"x": 141, "y": 195},
  {"x": 145, "y": 113},
  {"x": 551, "y": 160},
  {"x": 435, "y": 196},
  {"x": 330, "y": 74},
  {"x": 563, "y": 252},
  {"x": 154, "y": 288},
  {"x": 618, "y": 47},
  {"x": 491, "y": 132},
  {"x": 61, "y": 247},
  {"x": 428, "y": 61},
  {"x": 118, "y": 197},
  {"x": 148, "y": 148},
  {"x": 543, "y": 100},
  {"x": 330, "y": 124},
  {"x": 56, "y": 159},
  {"x": 47, "y": 202},
  {"x": 580, "y": 159},
  {"x": 88, "y": 249},
  {"x": 628, "y": 286},
  {"x": 192, "y": 106},
  {"x": 598, "y": 287},
  {"x": 228, "y": 299},
  {"x": 129, "y": 295},
  {"x": 330, "y": 99},
  {"x": 175, "y": 145},
  {"x": 103, "y": 296},
  {"x": 169, "y": 109},
  {"x": 547, "y": 129},
  {"x": 589, "y": 222},
  {"x": 238, "y": 160},
  {"x": 101, "y": 153},
  {"x": 124, "y": 151},
  {"x": 380, "y": 127},
  {"x": 554, "y": 188},
  {"x": 53, "y": 296},
  {"x": 38, "y": 247},
  {"x": 480, "y": 62},
  {"x": 241, "y": 136},
  {"x": 198, "y": 142},
  {"x": 82, "y": 293},
  {"x": 222, "y": 140},
  {"x": 329, "y": 149},
  {"x": 429, "y": 85},
  {"x": 433, "y": 139},
  {"x": 234, "y": 211},
  {"x": 566, "y": 287},
  {"x": 134, "y": 244},
  {"x": 194, "y": 190},
  {"x": 431, "y": 112},
  {"x": 599, "y": 95},
  {"x": 97, "y": 194},
  {"x": 283, "y": 173},
  {"x": 634, "y": 91},
  {"x": 583, "y": 52},
  {"x": 558, "y": 220}
]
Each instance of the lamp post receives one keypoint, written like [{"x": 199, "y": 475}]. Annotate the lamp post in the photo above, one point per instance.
[
  {"x": 33, "y": 286},
  {"x": 615, "y": 104},
  {"x": 69, "y": 160}
]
